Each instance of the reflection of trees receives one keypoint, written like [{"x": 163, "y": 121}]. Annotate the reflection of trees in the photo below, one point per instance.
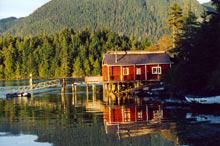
[
  {"x": 60, "y": 124},
  {"x": 58, "y": 120}
]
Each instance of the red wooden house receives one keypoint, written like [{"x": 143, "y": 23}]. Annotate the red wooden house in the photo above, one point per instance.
[{"x": 135, "y": 65}]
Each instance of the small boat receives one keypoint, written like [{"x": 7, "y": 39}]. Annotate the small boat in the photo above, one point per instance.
[
  {"x": 203, "y": 100},
  {"x": 14, "y": 95}
]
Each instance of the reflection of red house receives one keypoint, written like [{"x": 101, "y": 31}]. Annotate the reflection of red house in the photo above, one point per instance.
[
  {"x": 134, "y": 65},
  {"x": 124, "y": 114},
  {"x": 139, "y": 120}
]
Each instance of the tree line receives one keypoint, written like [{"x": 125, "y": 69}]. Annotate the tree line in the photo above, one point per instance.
[{"x": 67, "y": 53}]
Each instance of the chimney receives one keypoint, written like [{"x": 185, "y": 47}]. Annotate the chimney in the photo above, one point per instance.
[{"x": 116, "y": 57}]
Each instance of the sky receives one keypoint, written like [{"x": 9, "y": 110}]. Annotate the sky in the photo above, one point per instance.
[
  {"x": 19, "y": 8},
  {"x": 22, "y": 8}
]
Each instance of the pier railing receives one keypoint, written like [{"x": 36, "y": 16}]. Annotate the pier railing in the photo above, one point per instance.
[{"x": 37, "y": 86}]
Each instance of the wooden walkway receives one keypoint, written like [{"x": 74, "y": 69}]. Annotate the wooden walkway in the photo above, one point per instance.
[
  {"x": 53, "y": 83},
  {"x": 38, "y": 86}
]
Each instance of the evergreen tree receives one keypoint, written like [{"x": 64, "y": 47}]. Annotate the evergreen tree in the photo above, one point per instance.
[
  {"x": 198, "y": 56},
  {"x": 86, "y": 67},
  {"x": 174, "y": 21},
  {"x": 77, "y": 67},
  {"x": 44, "y": 69},
  {"x": 9, "y": 62},
  {"x": 97, "y": 69},
  {"x": 17, "y": 71},
  {"x": 1, "y": 61},
  {"x": 1, "y": 72},
  {"x": 188, "y": 35},
  {"x": 61, "y": 55},
  {"x": 145, "y": 43},
  {"x": 64, "y": 59}
]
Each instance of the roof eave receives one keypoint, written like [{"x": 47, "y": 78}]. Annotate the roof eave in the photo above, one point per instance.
[{"x": 138, "y": 64}]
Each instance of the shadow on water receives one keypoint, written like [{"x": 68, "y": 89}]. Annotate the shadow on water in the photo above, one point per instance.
[{"x": 80, "y": 118}]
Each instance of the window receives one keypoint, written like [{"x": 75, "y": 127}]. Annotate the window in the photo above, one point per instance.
[
  {"x": 127, "y": 115},
  {"x": 126, "y": 71},
  {"x": 138, "y": 71},
  {"x": 156, "y": 70},
  {"x": 139, "y": 115}
]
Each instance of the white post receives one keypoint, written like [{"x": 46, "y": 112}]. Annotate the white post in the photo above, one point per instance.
[
  {"x": 87, "y": 92},
  {"x": 121, "y": 73},
  {"x": 31, "y": 81},
  {"x": 108, "y": 74},
  {"x": 94, "y": 91}
]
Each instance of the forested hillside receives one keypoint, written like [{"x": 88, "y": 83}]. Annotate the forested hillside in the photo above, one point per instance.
[
  {"x": 7, "y": 23},
  {"x": 130, "y": 17}
]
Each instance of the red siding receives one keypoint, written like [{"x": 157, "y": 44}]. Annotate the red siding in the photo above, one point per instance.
[
  {"x": 151, "y": 76},
  {"x": 142, "y": 76},
  {"x": 115, "y": 72},
  {"x": 105, "y": 73},
  {"x": 131, "y": 73},
  {"x": 165, "y": 68}
]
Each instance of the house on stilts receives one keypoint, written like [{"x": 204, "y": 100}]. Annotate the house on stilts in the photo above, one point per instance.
[{"x": 134, "y": 66}]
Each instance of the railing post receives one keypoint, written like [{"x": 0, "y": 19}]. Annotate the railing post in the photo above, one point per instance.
[
  {"x": 94, "y": 91},
  {"x": 73, "y": 95},
  {"x": 87, "y": 91},
  {"x": 31, "y": 81}
]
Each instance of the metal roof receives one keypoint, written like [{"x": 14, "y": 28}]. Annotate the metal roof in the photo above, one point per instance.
[{"x": 137, "y": 58}]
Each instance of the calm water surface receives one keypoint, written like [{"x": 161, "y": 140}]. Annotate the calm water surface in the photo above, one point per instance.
[{"x": 52, "y": 118}]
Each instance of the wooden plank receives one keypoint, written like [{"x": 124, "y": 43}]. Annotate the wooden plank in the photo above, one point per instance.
[{"x": 93, "y": 79}]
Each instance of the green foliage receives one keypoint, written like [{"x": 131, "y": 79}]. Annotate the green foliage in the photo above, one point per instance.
[
  {"x": 9, "y": 61},
  {"x": 7, "y": 23},
  {"x": 175, "y": 21},
  {"x": 67, "y": 53},
  {"x": 77, "y": 67},
  {"x": 97, "y": 67},
  {"x": 1, "y": 72},
  {"x": 17, "y": 71},
  {"x": 198, "y": 55},
  {"x": 125, "y": 17}
]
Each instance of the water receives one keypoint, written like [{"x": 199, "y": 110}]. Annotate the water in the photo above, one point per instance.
[{"x": 52, "y": 118}]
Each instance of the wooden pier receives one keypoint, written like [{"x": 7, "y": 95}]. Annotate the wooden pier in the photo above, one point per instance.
[{"x": 116, "y": 87}]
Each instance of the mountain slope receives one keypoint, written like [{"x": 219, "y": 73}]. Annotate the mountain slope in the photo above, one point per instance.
[
  {"x": 130, "y": 17},
  {"x": 7, "y": 23}
]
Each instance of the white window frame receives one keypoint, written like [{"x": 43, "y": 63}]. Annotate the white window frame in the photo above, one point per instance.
[
  {"x": 140, "y": 115},
  {"x": 138, "y": 71},
  {"x": 125, "y": 71},
  {"x": 157, "y": 70},
  {"x": 127, "y": 115}
]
